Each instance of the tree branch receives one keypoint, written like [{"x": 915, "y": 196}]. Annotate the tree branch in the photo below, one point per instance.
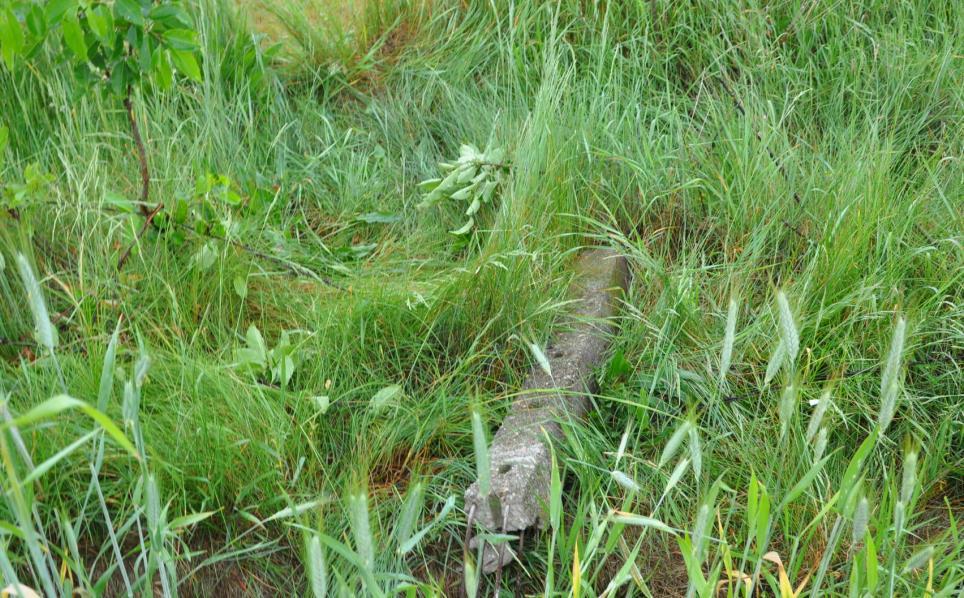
[
  {"x": 141, "y": 155},
  {"x": 148, "y": 213},
  {"x": 147, "y": 224}
]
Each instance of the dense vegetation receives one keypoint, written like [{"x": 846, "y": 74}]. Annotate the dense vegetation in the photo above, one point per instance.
[{"x": 293, "y": 350}]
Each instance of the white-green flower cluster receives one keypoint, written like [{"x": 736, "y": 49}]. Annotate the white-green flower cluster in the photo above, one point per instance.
[{"x": 472, "y": 178}]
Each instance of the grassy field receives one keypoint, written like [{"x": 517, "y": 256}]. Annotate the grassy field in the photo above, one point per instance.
[{"x": 783, "y": 409}]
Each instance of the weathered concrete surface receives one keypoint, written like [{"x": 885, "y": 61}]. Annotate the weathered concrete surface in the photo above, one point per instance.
[{"x": 520, "y": 460}]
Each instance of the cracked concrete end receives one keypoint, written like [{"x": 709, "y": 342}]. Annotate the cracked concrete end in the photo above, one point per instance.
[{"x": 520, "y": 460}]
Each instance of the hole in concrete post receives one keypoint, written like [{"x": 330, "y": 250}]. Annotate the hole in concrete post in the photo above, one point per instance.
[{"x": 504, "y": 469}]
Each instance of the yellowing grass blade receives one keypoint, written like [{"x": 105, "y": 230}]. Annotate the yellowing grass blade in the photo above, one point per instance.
[
  {"x": 786, "y": 588},
  {"x": 576, "y": 573}
]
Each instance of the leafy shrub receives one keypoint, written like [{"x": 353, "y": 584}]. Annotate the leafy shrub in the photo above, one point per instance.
[{"x": 473, "y": 178}]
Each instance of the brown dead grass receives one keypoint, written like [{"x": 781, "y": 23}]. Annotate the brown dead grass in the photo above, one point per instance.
[
  {"x": 348, "y": 15},
  {"x": 362, "y": 39},
  {"x": 359, "y": 23}
]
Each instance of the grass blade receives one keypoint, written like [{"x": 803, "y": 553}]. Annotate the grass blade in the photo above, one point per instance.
[
  {"x": 482, "y": 466},
  {"x": 674, "y": 442},
  {"x": 696, "y": 453},
  {"x": 56, "y": 405},
  {"x": 676, "y": 476},
  {"x": 411, "y": 511},
  {"x": 818, "y": 412},
  {"x": 415, "y": 539},
  {"x": 44, "y": 467},
  {"x": 642, "y": 521},
  {"x": 107, "y": 371}
]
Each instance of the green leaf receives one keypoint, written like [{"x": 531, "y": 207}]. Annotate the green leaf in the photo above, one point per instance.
[
  {"x": 118, "y": 201},
  {"x": 250, "y": 359},
  {"x": 206, "y": 256},
  {"x": 180, "y": 39},
  {"x": 283, "y": 370},
  {"x": 322, "y": 402},
  {"x": 411, "y": 510},
  {"x": 100, "y": 23},
  {"x": 55, "y": 10},
  {"x": 642, "y": 521},
  {"x": 130, "y": 11},
  {"x": 762, "y": 518},
  {"x": 74, "y": 36},
  {"x": 378, "y": 218},
  {"x": 240, "y": 286},
  {"x": 189, "y": 520},
  {"x": 465, "y": 228},
  {"x": 186, "y": 63},
  {"x": 181, "y": 210},
  {"x": 473, "y": 207},
  {"x": 429, "y": 185},
  {"x": 8, "y": 528},
  {"x": 36, "y": 27},
  {"x": 163, "y": 70},
  {"x": 120, "y": 78},
  {"x": 56, "y": 405},
  {"x": 171, "y": 16},
  {"x": 856, "y": 462},
  {"x": 256, "y": 343},
  {"x": 11, "y": 37},
  {"x": 384, "y": 396},
  {"x": 463, "y": 193},
  {"x": 145, "y": 56}
]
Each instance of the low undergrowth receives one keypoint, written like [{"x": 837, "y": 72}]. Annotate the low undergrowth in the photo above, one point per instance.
[{"x": 274, "y": 392}]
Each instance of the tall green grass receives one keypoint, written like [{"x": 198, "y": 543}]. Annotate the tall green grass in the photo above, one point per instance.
[{"x": 783, "y": 406}]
